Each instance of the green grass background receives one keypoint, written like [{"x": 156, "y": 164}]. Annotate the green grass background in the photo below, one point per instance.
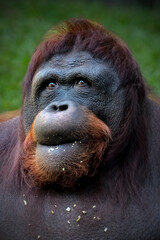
[{"x": 23, "y": 23}]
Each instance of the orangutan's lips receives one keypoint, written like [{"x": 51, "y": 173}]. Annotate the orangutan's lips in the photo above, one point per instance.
[
  {"x": 62, "y": 146},
  {"x": 50, "y": 154}
]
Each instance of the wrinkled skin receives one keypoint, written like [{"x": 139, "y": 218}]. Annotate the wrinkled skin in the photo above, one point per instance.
[
  {"x": 84, "y": 212},
  {"x": 63, "y": 89},
  {"x": 98, "y": 94}
]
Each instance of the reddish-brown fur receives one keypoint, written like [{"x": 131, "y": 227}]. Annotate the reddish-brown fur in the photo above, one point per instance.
[
  {"x": 127, "y": 153},
  {"x": 121, "y": 200},
  {"x": 9, "y": 115},
  {"x": 83, "y": 35}
]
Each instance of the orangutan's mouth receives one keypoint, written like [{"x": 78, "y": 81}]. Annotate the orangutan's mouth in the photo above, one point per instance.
[{"x": 58, "y": 154}]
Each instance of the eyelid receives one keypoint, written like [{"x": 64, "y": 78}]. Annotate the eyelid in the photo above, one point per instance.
[
  {"x": 46, "y": 81},
  {"x": 42, "y": 85}
]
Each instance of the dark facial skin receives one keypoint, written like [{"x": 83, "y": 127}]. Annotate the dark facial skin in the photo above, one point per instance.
[
  {"x": 79, "y": 78},
  {"x": 66, "y": 92}
]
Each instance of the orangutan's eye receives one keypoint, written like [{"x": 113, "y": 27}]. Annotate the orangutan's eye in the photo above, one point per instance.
[
  {"x": 82, "y": 83},
  {"x": 50, "y": 85}
]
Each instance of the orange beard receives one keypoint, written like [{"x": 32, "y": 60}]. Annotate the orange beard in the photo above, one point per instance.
[{"x": 79, "y": 162}]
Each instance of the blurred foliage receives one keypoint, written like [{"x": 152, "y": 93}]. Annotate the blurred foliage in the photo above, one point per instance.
[{"x": 23, "y": 23}]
